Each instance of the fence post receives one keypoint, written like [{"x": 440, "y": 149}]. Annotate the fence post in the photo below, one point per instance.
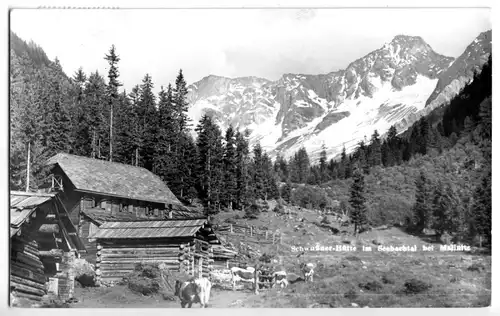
[
  {"x": 256, "y": 282},
  {"x": 231, "y": 228},
  {"x": 251, "y": 231},
  {"x": 266, "y": 235}
]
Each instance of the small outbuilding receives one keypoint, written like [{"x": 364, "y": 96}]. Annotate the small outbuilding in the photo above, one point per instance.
[
  {"x": 41, "y": 235},
  {"x": 180, "y": 245}
]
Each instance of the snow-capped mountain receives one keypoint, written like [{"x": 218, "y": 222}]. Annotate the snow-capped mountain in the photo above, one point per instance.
[{"x": 391, "y": 85}]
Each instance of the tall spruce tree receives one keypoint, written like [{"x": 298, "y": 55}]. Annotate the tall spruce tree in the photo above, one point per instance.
[
  {"x": 210, "y": 162},
  {"x": 164, "y": 159},
  {"x": 357, "y": 201},
  {"x": 243, "y": 192},
  {"x": 258, "y": 181},
  {"x": 147, "y": 116},
  {"x": 180, "y": 100},
  {"x": 422, "y": 209},
  {"x": 230, "y": 168},
  {"x": 375, "y": 155},
  {"x": 482, "y": 208},
  {"x": 323, "y": 168},
  {"x": 112, "y": 92}
]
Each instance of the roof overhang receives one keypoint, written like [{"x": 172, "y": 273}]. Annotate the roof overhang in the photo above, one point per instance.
[{"x": 128, "y": 197}]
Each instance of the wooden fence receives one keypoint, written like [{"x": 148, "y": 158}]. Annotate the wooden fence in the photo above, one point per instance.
[{"x": 250, "y": 233}]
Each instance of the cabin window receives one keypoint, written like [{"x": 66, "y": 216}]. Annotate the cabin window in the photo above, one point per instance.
[
  {"x": 123, "y": 207},
  {"x": 57, "y": 183},
  {"x": 149, "y": 211}
]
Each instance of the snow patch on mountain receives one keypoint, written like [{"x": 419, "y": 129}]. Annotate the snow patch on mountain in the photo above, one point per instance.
[{"x": 379, "y": 112}]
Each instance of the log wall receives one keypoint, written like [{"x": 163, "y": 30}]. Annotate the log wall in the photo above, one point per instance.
[
  {"x": 114, "y": 260},
  {"x": 27, "y": 279}
]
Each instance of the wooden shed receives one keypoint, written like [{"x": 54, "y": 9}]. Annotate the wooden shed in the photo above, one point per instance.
[
  {"x": 181, "y": 245},
  {"x": 95, "y": 191},
  {"x": 40, "y": 235}
]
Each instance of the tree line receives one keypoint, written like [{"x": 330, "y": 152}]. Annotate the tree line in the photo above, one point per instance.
[{"x": 89, "y": 116}]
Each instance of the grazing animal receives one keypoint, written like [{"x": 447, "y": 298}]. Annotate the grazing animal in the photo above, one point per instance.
[
  {"x": 204, "y": 286},
  {"x": 279, "y": 278},
  {"x": 188, "y": 292},
  {"x": 244, "y": 275},
  {"x": 193, "y": 291},
  {"x": 308, "y": 271}
]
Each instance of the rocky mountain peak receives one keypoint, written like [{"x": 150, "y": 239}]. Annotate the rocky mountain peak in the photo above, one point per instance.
[{"x": 389, "y": 86}]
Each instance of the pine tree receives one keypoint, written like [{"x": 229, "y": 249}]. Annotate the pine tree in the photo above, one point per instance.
[
  {"x": 281, "y": 168},
  {"x": 375, "y": 156},
  {"x": 230, "y": 191},
  {"x": 440, "y": 210},
  {"x": 165, "y": 160},
  {"x": 82, "y": 124},
  {"x": 147, "y": 116},
  {"x": 124, "y": 117},
  {"x": 258, "y": 181},
  {"x": 342, "y": 165},
  {"x": 286, "y": 191},
  {"x": 270, "y": 178},
  {"x": 357, "y": 201},
  {"x": 482, "y": 208},
  {"x": 95, "y": 92},
  {"x": 244, "y": 193},
  {"x": 112, "y": 92},
  {"x": 323, "y": 168},
  {"x": 301, "y": 165},
  {"x": 180, "y": 100},
  {"x": 210, "y": 162},
  {"x": 136, "y": 139},
  {"x": 57, "y": 131},
  {"x": 422, "y": 208}
]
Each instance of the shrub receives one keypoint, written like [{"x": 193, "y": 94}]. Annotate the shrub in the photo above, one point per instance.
[
  {"x": 351, "y": 294},
  {"x": 387, "y": 279},
  {"x": 352, "y": 258},
  {"x": 371, "y": 286},
  {"x": 476, "y": 267},
  {"x": 325, "y": 220},
  {"x": 414, "y": 286},
  {"x": 252, "y": 212}
]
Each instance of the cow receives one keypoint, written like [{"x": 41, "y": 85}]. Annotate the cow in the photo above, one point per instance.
[
  {"x": 205, "y": 286},
  {"x": 279, "y": 278},
  {"x": 193, "y": 291},
  {"x": 244, "y": 275},
  {"x": 308, "y": 271}
]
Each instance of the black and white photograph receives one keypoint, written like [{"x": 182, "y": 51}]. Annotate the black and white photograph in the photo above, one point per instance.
[{"x": 250, "y": 157}]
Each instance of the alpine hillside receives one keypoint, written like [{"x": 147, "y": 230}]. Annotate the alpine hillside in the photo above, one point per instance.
[{"x": 393, "y": 85}]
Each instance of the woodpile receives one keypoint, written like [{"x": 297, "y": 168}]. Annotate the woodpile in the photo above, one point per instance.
[{"x": 27, "y": 272}]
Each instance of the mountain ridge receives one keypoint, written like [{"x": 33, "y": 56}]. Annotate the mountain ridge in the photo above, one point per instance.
[{"x": 298, "y": 109}]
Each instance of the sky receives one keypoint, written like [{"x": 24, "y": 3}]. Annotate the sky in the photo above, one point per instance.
[{"x": 233, "y": 43}]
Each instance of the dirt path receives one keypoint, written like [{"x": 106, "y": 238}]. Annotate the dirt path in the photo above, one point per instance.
[{"x": 122, "y": 297}]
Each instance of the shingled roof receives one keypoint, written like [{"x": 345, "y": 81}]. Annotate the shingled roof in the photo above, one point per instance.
[
  {"x": 22, "y": 205},
  {"x": 149, "y": 229},
  {"x": 114, "y": 179}
]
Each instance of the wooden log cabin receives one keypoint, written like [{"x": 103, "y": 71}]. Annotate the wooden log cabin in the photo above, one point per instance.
[
  {"x": 181, "y": 245},
  {"x": 96, "y": 191},
  {"x": 40, "y": 235}
]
